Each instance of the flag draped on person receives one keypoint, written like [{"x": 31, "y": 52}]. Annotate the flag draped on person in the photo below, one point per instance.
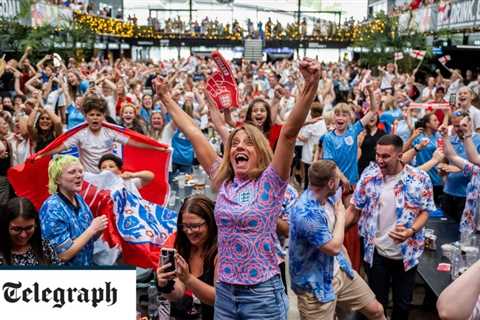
[
  {"x": 137, "y": 225},
  {"x": 30, "y": 179},
  {"x": 418, "y": 54}
]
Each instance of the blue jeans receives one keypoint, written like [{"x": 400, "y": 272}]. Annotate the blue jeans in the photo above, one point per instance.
[{"x": 266, "y": 300}]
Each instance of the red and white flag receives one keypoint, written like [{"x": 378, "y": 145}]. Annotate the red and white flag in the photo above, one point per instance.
[
  {"x": 418, "y": 54},
  {"x": 443, "y": 60},
  {"x": 138, "y": 225},
  {"x": 398, "y": 56},
  {"x": 30, "y": 179}
]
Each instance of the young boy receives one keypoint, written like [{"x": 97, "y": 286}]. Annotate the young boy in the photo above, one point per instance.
[
  {"x": 132, "y": 180},
  {"x": 340, "y": 145},
  {"x": 95, "y": 140}
]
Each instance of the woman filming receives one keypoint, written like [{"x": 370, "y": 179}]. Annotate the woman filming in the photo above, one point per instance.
[
  {"x": 251, "y": 183},
  {"x": 196, "y": 245}
]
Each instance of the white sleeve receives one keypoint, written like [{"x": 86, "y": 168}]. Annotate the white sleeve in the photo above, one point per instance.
[
  {"x": 117, "y": 137},
  {"x": 476, "y": 119},
  {"x": 74, "y": 140}
]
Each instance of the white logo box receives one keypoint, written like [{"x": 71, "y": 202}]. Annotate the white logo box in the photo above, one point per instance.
[{"x": 66, "y": 293}]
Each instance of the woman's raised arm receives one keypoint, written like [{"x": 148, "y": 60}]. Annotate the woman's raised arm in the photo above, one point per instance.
[
  {"x": 282, "y": 159},
  {"x": 204, "y": 150}
]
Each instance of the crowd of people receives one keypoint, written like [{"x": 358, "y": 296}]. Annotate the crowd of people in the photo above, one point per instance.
[
  {"x": 262, "y": 30},
  {"x": 345, "y": 162},
  {"x": 306, "y": 28}
]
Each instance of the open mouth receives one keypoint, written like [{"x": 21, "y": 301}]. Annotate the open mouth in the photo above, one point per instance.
[{"x": 241, "y": 158}]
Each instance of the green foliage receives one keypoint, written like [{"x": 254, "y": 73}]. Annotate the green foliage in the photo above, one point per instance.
[
  {"x": 16, "y": 37},
  {"x": 382, "y": 45}
]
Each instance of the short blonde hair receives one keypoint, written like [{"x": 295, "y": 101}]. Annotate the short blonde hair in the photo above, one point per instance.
[
  {"x": 55, "y": 168},
  {"x": 343, "y": 107},
  {"x": 265, "y": 155}
]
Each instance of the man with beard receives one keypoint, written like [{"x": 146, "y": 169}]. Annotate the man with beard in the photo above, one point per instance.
[
  {"x": 392, "y": 202},
  {"x": 321, "y": 274}
]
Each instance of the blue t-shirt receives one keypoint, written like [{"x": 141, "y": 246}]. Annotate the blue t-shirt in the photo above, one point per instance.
[
  {"x": 426, "y": 154},
  {"x": 182, "y": 149},
  {"x": 74, "y": 116},
  {"x": 311, "y": 270},
  {"x": 343, "y": 150},
  {"x": 456, "y": 183},
  {"x": 388, "y": 117}
]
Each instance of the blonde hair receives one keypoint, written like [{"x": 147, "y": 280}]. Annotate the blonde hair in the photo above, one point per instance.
[
  {"x": 55, "y": 168},
  {"x": 265, "y": 155},
  {"x": 129, "y": 105},
  {"x": 343, "y": 107}
]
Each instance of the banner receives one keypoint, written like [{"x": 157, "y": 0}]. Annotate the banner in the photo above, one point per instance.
[{"x": 56, "y": 293}]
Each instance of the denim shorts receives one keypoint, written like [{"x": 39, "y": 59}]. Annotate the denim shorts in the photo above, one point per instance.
[{"x": 266, "y": 300}]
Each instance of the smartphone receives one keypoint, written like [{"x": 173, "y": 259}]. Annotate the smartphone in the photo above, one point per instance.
[
  {"x": 168, "y": 256},
  {"x": 453, "y": 99}
]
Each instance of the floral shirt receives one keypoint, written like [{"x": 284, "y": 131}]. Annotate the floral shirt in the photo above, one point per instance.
[
  {"x": 470, "y": 213},
  {"x": 413, "y": 194},
  {"x": 30, "y": 259},
  {"x": 289, "y": 200},
  {"x": 311, "y": 270},
  {"x": 246, "y": 213},
  {"x": 62, "y": 223}
]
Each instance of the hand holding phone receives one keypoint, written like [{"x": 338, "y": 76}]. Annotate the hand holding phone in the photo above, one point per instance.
[{"x": 167, "y": 256}]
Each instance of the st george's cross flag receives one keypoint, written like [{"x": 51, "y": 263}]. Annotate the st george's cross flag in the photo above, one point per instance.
[
  {"x": 418, "y": 54},
  {"x": 221, "y": 85},
  {"x": 444, "y": 60}
]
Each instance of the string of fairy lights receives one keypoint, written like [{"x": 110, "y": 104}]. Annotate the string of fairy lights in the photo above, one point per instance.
[{"x": 118, "y": 28}]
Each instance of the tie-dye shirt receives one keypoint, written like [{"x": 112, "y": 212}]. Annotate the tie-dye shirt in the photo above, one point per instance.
[
  {"x": 246, "y": 213},
  {"x": 413, "y": 194}
]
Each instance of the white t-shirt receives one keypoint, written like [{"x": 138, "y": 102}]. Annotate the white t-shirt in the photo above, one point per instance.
[
  {"x": 93, "y": 146},
  {"x": 387, "y": 220},
  {"x": 21, "y": 150},
  {"x": 387, "y": 79},
  {"x": 428, "y": 93},
  {"x": 332, "y": 219},
  {"x": 475, "y": 116},
  {"x": 312, "y": 132}
]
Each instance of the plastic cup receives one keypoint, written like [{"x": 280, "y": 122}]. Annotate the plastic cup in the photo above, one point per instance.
[{"x": 172, "y": 199}]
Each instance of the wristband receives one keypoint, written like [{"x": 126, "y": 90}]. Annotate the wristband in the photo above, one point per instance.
[
  {"x": 416, "y": 149},
  {"x": 469, "y": 136},
  {"x": 414, "y": 230}
]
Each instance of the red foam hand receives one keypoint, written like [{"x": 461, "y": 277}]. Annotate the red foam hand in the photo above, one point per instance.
[{"x": 221, "y": 85}]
